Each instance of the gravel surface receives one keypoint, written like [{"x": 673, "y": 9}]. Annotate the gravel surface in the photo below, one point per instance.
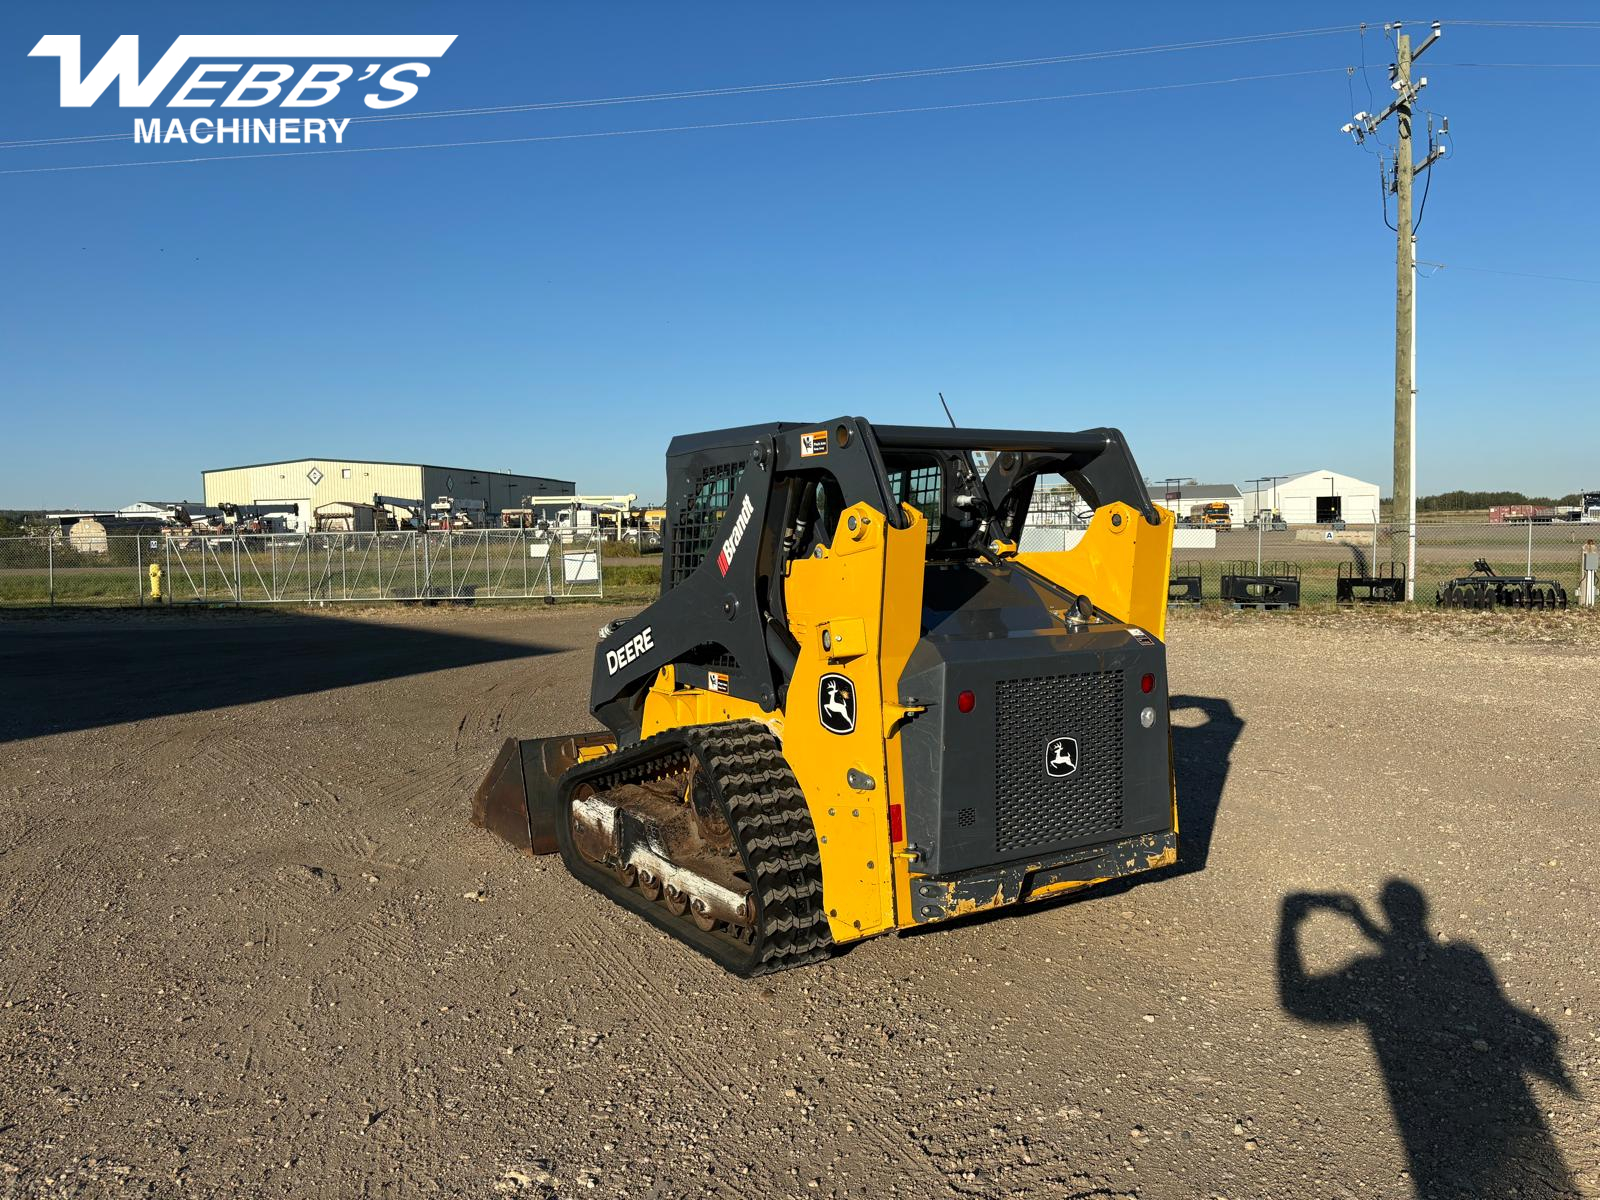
[{"x": 250, "y": 946}]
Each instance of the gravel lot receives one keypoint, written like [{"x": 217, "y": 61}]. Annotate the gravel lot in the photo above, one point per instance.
[{"x": 249, "y": 944}]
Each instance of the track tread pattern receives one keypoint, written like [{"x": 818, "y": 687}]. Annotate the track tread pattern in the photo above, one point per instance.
[{"x": 772, "y": 830}]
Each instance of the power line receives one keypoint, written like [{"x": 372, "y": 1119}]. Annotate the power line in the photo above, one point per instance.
[
  {"x": 610, "y": 133},
  {"x": 882, "y": 77},
  {"x": 1365, "y": 78},
  {"x": 792, "y": 85},
  {"x": 1439, "y": 266},
  {"x": 1520, "y": 65},
  {"x": 1542, "y": 24}
]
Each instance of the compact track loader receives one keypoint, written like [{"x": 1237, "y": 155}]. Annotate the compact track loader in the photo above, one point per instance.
[{"x": 857, "y": 706}]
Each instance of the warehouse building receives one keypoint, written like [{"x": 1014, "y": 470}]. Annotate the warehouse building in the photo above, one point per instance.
[
  {"x": 1315, "y": 498},
  {"x": 309, "y": 483}
]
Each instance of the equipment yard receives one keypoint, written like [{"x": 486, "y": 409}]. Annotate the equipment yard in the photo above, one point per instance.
[{"x": 250, "y": 944}]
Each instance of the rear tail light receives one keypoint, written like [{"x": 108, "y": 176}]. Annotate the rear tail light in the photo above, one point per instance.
[
  {"x": 1147, "y": 684},
  {"x": 966, "y": 701}
]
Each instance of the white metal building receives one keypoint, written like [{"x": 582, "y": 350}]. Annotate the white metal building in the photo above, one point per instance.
[
  {"x": 310, "y": 483},
  {"x": 1315, "y": 498}
]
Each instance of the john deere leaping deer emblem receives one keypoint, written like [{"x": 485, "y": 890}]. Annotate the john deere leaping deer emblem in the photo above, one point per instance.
[
  {"x": 836, "y": 703},
  {"x": 1061, "y": 757}
]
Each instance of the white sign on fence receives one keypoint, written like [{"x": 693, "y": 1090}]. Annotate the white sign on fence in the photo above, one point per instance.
[{"x": 580, "y": 567}]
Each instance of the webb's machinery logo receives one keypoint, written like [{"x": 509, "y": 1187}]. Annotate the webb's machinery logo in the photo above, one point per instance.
[{"x": 239, "y": 71}]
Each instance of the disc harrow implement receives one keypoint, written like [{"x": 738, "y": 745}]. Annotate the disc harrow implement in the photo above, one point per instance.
[{"x": 1485, "y": 589}]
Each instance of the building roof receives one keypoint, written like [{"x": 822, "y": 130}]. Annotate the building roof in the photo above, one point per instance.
[
  {"x": 107, "y": 517},
  {"x": 380, "y": 462},
  {"x": 1284, "y": 480},
  {"x": 1199, "y": 491}
]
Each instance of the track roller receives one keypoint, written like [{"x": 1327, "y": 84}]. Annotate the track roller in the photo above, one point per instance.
[{"x": 704, "y": 832}]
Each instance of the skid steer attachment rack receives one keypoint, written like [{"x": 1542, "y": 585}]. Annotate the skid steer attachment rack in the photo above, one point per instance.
[
  {"x": 1484, "y": 589},
  {"x": 856, "y": 707},
  {"x": 1271, "y": 586},
  {"x": 1186, "y": 585},
  {"x": 1381, "y": 583}
]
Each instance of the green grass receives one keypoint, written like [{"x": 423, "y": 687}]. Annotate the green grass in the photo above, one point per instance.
[
  {"x": 121, "y": 586},
  {"x": 110, "y": 587},
  {"x": 632, "y": 582}
]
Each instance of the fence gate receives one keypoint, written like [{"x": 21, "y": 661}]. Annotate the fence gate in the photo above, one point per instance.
[{"x": 455, "y": 565}]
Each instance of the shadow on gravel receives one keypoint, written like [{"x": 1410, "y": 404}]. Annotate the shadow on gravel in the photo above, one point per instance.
[
  {"x": 64, "y": 675},
  {"x": 1201, "y": 758},
  {"x": 1454, "y": 1051}
]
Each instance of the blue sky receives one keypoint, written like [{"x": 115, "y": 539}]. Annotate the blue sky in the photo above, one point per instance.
[{"x": 1207, "y": 268}]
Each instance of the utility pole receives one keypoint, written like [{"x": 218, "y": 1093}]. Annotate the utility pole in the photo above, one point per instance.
[
  {"x": 1258, "y": 491},
  {"x": 1405, "y": 315},
  {"x": 1255, "y": 518},
  {"x": 1362, "y": 126}
]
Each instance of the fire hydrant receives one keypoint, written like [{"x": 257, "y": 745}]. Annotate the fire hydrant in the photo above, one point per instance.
[{"x": 155, "y": 581}]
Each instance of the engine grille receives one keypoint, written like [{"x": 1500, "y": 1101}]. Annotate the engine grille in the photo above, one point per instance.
[{"x": 1034, "y": 809}]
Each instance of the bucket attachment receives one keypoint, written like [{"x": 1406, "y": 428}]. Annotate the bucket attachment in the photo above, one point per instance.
[{"x": 517, "y": 798}]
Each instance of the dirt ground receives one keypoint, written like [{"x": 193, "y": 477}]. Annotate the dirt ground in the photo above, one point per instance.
[{"x": 250, "y": 946}]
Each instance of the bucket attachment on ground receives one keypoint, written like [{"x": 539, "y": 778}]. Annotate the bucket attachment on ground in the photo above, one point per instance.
[{"x": 517, "y": 798}]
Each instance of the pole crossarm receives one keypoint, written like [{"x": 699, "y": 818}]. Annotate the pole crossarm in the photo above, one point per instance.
[
  {"x": 1434, "y": 156},
  {"x": 1364, "y": 124},
  {"x": 1431, "y": 39}
]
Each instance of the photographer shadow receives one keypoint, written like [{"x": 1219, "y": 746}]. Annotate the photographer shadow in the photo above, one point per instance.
[{"x": 1454, "y": 1051}]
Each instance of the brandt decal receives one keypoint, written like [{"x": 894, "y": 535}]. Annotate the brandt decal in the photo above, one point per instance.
[{"x": 730, "y": 547}]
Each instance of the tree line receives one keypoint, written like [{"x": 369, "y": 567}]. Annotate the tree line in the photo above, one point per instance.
[{"x": 1457, "y": 501}]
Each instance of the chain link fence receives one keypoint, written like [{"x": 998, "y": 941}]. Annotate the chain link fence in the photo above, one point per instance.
[
  {"x": 174, "y": 569},
  {"x": 1445, "y": 551},
  {"x": 482, "y": 564}
]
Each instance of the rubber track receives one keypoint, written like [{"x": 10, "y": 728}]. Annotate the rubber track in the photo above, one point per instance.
[{"x": 772, "y": 830}]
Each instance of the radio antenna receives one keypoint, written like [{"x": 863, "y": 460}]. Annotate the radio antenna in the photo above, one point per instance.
[{"x": 947, "y": 411}]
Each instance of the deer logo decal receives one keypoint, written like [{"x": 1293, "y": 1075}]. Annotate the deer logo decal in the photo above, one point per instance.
[
  {"x": 1061, "y": 757},
  {"x": 836, "y": 703}
]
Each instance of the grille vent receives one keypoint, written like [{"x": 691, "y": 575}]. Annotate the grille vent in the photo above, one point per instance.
[{"x": 1033, "y": 809}]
